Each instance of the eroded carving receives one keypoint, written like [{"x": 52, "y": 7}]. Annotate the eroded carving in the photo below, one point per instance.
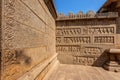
[
  {"x": 68, "y": 31},
  {"x": 101, "y": 30},
  {"x": 58, "y": 39},
  {"x": 9, "y": 23},
  {"x": 68, "y": 48},
  {"x": 104, "y": 39},
  {"x": 15, "y": 57},
  {"x": 84, "y": 39},
  {"x": 84, "y": 60},
  {"x": 92, "y": 51}
]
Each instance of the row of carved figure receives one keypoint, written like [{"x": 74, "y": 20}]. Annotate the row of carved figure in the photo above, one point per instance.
[
  {"x": 85, "y": 30},
  {"x": 89, "y": 14},
  {"x": 84, "y": 60},
  {"x": 85, "y": 40},
  {"x": 94, "y": 51}
]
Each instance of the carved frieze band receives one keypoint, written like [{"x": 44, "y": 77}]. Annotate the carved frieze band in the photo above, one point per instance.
[
  {"x": 85, "y": 40},
  {"x": 9, "y": 57},
  {"x": 69, "y": 48},
  {"x": 68, "y": 31},
  {"x": 8, "y": 31},
  {"x": 74, "y": 40},
  {"x": 104, "y": 39},
  {"x": 85, "y": 30},
  {"x": 101, "y": 30},
  {"x": 84, "y": 60},
  {"x": 79, "y": 51},
  {"x": 85, "y": 22}
]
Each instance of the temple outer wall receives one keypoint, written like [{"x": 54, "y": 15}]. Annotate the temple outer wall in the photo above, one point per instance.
[
  {"x": 83, "y": 38},
  {"x": 28, "y": 37}
]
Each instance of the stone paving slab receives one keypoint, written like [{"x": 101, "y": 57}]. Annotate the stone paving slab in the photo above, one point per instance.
[{"x": 78, "y": 72}]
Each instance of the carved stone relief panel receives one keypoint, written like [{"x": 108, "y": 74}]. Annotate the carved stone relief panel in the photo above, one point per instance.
[
  {"x": 68, "y": 48},
  {"x": 84, "y": 60},
  {"x": 28, "y": 36},
  {"x": 85, "y": 40},
  {"x": 77, "y": 30},
  {"x": 102, "y": 30},
  {"x": 104, "y": 39},
  {"x": 68, "y": 31},
  {"x": 78, "y": 40}
]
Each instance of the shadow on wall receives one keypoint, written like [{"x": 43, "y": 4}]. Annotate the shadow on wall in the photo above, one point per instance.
[
  {"x": 22, "y": 58},
  {"x": 89, "y": 60},
  {"x": 101, "y": 60},
  {"x": 16, "y": 57}
]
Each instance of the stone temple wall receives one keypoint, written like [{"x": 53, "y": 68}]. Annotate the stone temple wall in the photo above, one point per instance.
[
  {"x": 83, "y": 38},
  {"x": 28, "y": 37}
]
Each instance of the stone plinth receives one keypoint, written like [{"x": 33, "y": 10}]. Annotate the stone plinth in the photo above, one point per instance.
[{"x": 113, "y": 63}]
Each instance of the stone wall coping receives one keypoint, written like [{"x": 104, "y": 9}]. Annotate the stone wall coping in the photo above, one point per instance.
[
  {"x": 113, "y": 51},
  {"x": 89, "y": 15}
]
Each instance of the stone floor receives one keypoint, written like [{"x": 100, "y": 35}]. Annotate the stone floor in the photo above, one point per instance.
[{"x": 77, "y": 72}]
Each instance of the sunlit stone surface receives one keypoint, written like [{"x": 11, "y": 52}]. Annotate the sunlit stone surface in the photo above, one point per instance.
[{"x": 35, "y": 42}]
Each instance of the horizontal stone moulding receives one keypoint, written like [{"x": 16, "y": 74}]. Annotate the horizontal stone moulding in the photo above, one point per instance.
[
  {"x": 113, "y": 51},
  {"x": 89, "y": 15}
]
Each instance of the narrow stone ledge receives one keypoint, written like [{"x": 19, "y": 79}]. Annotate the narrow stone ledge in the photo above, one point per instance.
[
  {"x": 33, "y": 73},
  {"x": 53, "y": 70}
]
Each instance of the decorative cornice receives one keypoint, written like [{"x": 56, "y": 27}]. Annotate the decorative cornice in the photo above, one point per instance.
[{"x": 89, "y": 15}]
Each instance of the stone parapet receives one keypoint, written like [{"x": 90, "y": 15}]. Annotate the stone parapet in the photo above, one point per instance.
[{"x": 89, "y": 15}]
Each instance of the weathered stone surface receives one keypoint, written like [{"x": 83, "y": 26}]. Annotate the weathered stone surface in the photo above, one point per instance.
[
  {"x": 28, "y": 36},
  {"x": 27, "y": 39},
  {"x": 83, "y": 41},
  {"x": 79, "y": 72}
]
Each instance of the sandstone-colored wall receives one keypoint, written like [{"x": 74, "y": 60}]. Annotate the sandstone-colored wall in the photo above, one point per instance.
[
  {"x": 83, "y": 41},
  {"x": 28, "y": 36}
]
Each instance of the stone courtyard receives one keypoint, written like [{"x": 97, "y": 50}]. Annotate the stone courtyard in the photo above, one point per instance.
[{"x": 38, "y": 44}]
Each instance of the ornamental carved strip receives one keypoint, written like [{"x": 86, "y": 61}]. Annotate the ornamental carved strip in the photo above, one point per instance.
[
  {"x": 101, "y": 30},
  {"x": 86, "y": 30},
  {"x": 84, "y": 60},
  {"x": 68, "y": 48},
  {"x": 81, "y": 40},
  {"x": 68, "y": 31},
  {"x": 8, "y": 28},
  {"x": 79, "y": 50},
  {"x": 9, "y": 57},
  {"x": 104, "y": 39}
]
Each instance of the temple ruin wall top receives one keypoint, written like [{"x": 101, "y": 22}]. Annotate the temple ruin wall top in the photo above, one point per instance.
[{"x": 89, "y": 15}]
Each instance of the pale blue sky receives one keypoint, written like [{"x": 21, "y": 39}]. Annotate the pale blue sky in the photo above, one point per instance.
[{"x": 65, "y": 6}]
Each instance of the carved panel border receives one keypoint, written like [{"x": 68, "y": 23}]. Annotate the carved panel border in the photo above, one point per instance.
[{"x": 8, "y": 31}]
